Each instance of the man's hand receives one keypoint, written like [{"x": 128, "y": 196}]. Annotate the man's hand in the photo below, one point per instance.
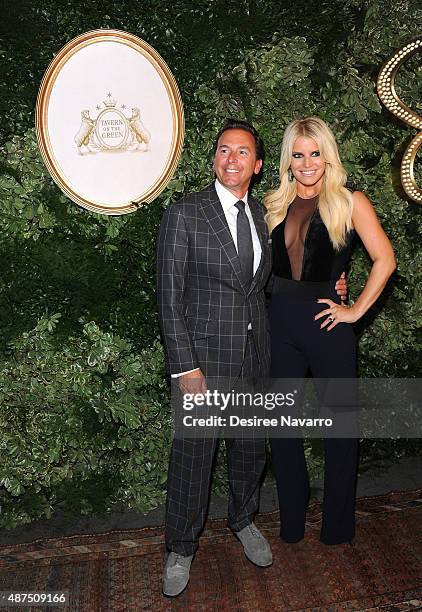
[
  {"x": 193, "y": 382},
  {"x": 341, "y": 287}
]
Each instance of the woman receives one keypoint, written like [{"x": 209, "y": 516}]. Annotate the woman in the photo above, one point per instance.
[{"x": 313, "y": 218}]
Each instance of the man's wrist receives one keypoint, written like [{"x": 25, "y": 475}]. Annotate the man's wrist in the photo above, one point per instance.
[{"x": 183, "y": 373}]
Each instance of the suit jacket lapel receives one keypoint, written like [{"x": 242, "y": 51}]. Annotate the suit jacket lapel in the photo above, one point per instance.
[{"x": 214, "y": 214}]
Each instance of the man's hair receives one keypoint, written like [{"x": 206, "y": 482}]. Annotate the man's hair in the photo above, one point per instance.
[{"x": 238, "y": 124}]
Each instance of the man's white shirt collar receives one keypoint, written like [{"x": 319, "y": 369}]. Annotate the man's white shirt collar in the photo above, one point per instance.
[{"x": 227, "y": 198}]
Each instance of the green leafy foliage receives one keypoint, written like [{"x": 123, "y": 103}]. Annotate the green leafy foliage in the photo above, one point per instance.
[
  {"x": 84, "y": 404},
  {"x": 80, "y": 408}
]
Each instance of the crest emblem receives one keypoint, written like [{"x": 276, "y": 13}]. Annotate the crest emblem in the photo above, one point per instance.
[{"x": 112, "y": 130}]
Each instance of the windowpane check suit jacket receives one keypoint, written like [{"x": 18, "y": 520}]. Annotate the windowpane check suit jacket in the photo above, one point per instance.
[{"x": 204, "y": 309}]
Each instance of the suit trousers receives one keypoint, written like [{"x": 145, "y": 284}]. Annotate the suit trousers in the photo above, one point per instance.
[
  {"x": 298, "y": 346},
  {"x": 189, "y": 479}
]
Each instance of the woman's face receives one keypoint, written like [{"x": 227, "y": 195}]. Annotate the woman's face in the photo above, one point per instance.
[{"x": 307, "y": 165}]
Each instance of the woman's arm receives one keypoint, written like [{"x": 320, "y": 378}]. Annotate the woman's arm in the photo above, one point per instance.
[{"x": 368, "y": 228}]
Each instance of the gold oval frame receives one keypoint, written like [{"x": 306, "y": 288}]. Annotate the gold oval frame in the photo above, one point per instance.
[
  {"x": 42, "y": 127},
  {"x": 388, "y": 96}
]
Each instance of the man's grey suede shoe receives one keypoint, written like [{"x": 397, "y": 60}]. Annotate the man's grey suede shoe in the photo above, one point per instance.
[
  {"x": 176, "y": 574},
  {"x": 256, "y": 547}
]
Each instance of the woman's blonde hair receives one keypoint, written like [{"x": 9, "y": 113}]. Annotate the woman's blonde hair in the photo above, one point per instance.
[{"x": 335, "y": 201}]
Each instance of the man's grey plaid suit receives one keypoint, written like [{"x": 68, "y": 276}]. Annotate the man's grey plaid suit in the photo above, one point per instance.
[{"x": 204, "y": 313}]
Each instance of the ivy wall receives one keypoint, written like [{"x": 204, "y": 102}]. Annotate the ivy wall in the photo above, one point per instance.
[{"x": 84, "y": 409}]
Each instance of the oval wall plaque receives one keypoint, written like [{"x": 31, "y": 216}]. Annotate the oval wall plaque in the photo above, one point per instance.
[{"x": 109, "y": 121}]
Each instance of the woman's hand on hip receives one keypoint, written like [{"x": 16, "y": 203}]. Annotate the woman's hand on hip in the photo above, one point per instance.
[{"x": 335, "y": 314}]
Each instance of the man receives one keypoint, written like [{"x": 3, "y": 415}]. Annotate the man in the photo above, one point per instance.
[{"x": 213, "y": 262}]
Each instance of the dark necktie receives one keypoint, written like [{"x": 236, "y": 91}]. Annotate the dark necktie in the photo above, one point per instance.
[{"x": 244, "y": 244}]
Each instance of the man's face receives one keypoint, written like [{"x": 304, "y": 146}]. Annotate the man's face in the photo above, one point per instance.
[{"x": 235, "y": 161}]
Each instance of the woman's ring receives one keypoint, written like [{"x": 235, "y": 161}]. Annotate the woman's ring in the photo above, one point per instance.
[{"x": 331, "y": 319}]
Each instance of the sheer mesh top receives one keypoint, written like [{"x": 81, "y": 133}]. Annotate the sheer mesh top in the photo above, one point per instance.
[
  {"x": 301, "y": 246},
  {"x": 298, "y": 217}
]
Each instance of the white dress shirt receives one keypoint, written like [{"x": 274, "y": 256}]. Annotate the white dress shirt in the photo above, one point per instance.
[{"x": 228, "y": 201}]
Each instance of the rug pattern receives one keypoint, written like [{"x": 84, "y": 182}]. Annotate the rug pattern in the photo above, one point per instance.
[{"x": 120, "y": 571}]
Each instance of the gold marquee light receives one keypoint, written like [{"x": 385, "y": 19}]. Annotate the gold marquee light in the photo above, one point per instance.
[{"x": 388, "y": 96}]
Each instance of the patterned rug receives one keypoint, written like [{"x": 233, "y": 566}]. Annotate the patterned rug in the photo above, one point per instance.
[{"x": 120, "y": 571}]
